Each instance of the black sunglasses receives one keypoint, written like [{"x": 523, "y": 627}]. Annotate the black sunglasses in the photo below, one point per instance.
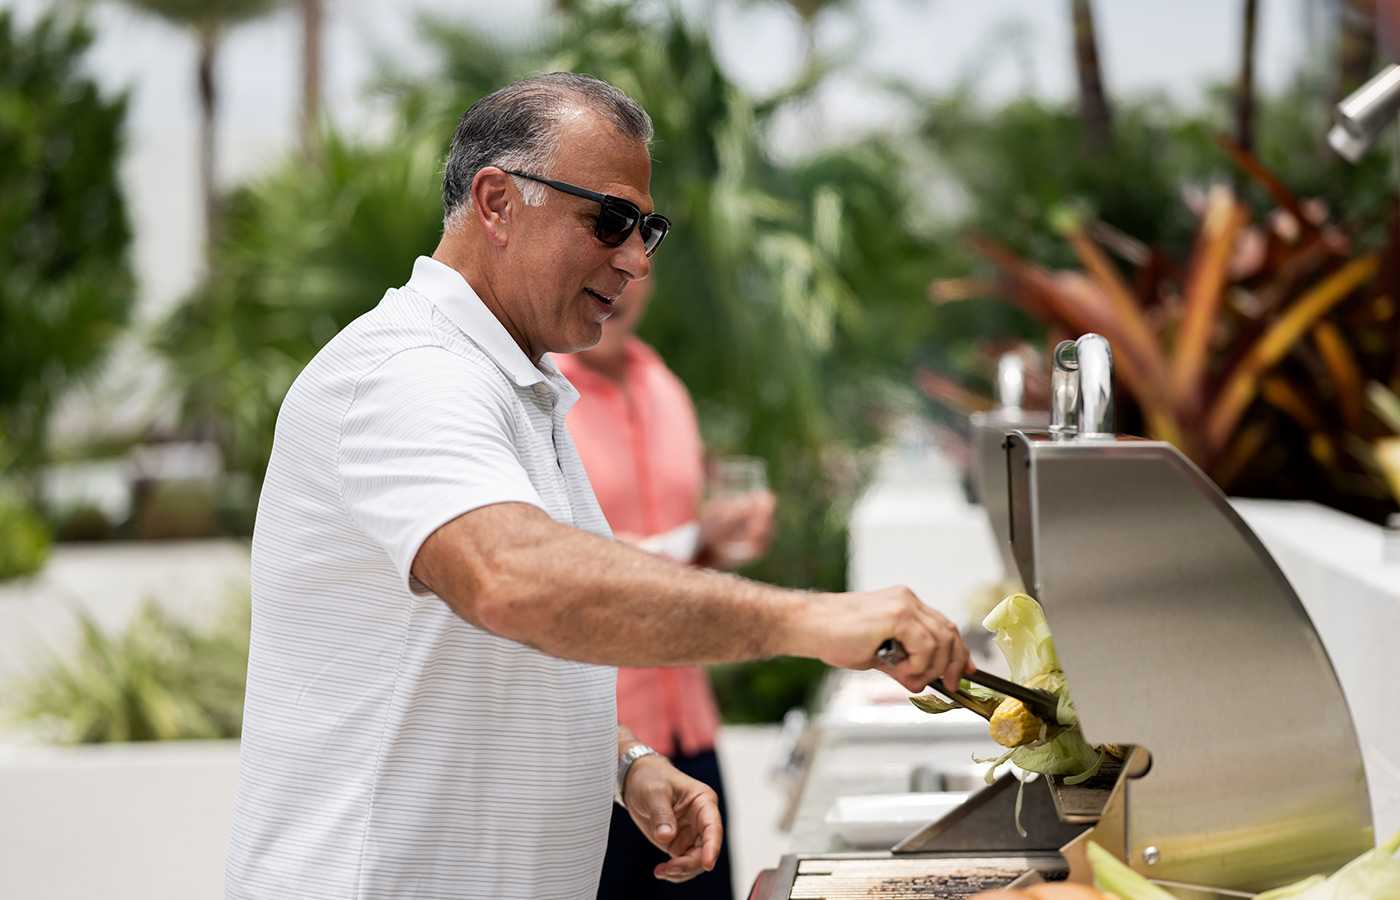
[{"x": 617, "y": 218}]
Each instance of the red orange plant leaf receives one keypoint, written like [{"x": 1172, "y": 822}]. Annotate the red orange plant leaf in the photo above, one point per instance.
[
  {"x": 948, "y": 392},
  {"x": 1204, "y": 291},
  {"x": 1242, "y": 384},
  {"x": 1345, "y": 372},
  {"x": 1279, "y": 393},
  {"x": 1268, "y": 181},
  {"x": 1073, "y": 302},
  {"x": 1245, "y": 446},
  {"x": 947, "y": 290},
  {"x": 1130, "y": 332}
]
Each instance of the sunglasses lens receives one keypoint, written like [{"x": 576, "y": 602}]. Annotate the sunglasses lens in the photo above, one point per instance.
[
  {"x": 615, "y": 223},
  {"x": 654, "y": 228}
]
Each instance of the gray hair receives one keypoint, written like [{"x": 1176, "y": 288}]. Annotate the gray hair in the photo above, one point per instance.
[{"x": 517, "y": 128}]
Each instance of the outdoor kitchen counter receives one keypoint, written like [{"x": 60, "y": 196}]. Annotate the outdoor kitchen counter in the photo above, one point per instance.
[{"x": 869, "y": 740}]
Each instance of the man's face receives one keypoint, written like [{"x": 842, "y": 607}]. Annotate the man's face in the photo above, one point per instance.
[{"x": 567, "y": 278}]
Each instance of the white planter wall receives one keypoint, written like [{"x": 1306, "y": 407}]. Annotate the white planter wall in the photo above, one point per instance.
[{"x": 116, "y": 822}]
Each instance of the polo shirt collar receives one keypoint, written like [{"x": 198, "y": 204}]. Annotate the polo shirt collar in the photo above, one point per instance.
[{"x": 446, "y": 289}]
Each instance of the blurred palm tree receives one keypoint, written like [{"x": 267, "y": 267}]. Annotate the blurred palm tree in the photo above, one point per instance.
[
  {"x": 815, "y": 66},
  {"x": 306, "y": 250},
  {"x": 312, "y": 19},
  {"x": 809, "y": 13},
  {"x": 1244, "y": 91},
  {"x": 210, "y": 20},
  {"x": 1093, "y": 99}
]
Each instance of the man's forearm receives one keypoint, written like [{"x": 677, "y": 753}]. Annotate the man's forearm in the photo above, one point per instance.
[{"x": 512, "y": 570}]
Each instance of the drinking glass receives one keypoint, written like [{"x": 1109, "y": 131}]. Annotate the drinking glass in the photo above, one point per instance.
[{"x": 738, "y": 480}]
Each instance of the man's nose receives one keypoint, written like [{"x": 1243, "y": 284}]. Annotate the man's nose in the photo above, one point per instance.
[{"x": 631, "y": 257}]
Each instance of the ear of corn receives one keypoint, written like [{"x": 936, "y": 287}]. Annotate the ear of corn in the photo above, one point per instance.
[{"x": 1012, "y": 725}]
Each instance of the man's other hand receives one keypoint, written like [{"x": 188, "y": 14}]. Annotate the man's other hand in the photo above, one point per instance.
[{"x": 676, "y": 813}]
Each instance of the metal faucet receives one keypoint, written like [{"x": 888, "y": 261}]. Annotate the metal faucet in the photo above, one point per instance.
[{"x": 1081, "y": 389}]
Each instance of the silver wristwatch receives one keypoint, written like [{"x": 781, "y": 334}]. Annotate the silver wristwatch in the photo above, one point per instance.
[{"x": 624, "y": 762}]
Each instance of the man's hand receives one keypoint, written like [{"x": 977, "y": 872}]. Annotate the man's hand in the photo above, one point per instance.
[
  {"x": 845, "y": 630},
  {"x": 676, "y": 813}
]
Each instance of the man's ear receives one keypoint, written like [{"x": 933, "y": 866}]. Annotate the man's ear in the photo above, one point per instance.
[{"x": 495, "y": 202}]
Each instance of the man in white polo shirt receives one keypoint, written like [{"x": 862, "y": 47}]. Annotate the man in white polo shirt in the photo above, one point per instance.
[{"x": 437, "y": 604}]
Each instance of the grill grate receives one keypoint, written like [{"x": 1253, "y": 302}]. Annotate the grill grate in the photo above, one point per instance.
[{"x": 902, "y": 879}]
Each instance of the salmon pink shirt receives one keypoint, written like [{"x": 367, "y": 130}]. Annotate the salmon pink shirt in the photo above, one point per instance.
[{"x": 640, "y": 445}]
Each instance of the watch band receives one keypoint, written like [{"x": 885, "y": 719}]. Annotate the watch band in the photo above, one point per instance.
[{"x": 624, "y": 762}]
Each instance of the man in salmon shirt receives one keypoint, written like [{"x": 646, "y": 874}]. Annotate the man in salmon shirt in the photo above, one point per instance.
[{"x": 636, "y": 432}]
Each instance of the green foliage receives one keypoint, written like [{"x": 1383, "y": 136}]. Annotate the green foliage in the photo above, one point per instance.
[
  {"x": 763, "y": 692},
  {"x": 1291, "y": 143},
  {"x": 24, "y": 539},
  {"x": 1015, "y": 165},
  {"x": 159, "y": 680},
  {"x": 66, "y": 288},
  {"x": 307, "y": 249},
  {"x": 790, "y": 298}
]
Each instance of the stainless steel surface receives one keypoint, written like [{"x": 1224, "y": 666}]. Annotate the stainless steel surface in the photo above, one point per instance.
[
  {"x": 1064, "y": 390},
  {"x": 987, "y": 822},
  {"x": 1084, "y": 803},
  {"x": 1042, "y": 704},
  {"x": 1011, "y": 381},
  {"x": 1095, "y": 406},
  {"x": 869, "y": 739},
  {"x": 989, "y": 431},
  {"x": 1177, "y": 632},
  {"x": 1363, "y": 114}
]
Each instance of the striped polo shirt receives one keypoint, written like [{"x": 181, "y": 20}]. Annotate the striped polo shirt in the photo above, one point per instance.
[{"x": 391, "y": 749}]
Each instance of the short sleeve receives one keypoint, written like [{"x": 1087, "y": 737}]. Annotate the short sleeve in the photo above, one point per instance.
[{"x": 429, "y": 436}]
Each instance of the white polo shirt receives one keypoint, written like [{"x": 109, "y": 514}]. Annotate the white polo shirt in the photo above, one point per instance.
[{"x": 390, "y": 749}]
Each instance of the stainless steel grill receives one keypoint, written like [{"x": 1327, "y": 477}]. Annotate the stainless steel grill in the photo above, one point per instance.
[{"x": 1160, "y": 599}]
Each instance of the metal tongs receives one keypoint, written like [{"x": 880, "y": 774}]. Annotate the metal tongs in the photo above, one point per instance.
[{"x": 1042, "y": 704}]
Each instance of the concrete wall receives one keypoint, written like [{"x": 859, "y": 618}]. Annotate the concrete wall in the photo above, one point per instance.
[
  {"x": 119, "y": 821},
  {"x": 151, "y": 821}
]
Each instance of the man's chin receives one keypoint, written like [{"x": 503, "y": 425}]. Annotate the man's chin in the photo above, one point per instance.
[{"x": 582, "y": 342}]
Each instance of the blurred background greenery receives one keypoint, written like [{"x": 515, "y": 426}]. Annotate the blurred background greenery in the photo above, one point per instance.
[{"x": 811, "y": 300}]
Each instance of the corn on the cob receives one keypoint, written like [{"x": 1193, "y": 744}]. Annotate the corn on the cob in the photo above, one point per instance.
[{"x": 1013, "y": 725}]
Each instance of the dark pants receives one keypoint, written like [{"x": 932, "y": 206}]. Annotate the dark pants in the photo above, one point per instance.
[{"x": 627, "y": 868}]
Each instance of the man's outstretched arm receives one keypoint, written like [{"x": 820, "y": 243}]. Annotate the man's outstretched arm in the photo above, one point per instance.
[{"x": 511, "y": 569}]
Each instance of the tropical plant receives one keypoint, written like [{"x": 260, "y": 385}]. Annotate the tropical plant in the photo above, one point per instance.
[
  {"x": 209, "y": 20},
  {"x": 161, "y": 679},
  {"x": 307, "y": 249},
  {"x": 790, "y": 297},
  {"x": 66, "y": 288},
  {"x": 1252, "y": 354}
]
